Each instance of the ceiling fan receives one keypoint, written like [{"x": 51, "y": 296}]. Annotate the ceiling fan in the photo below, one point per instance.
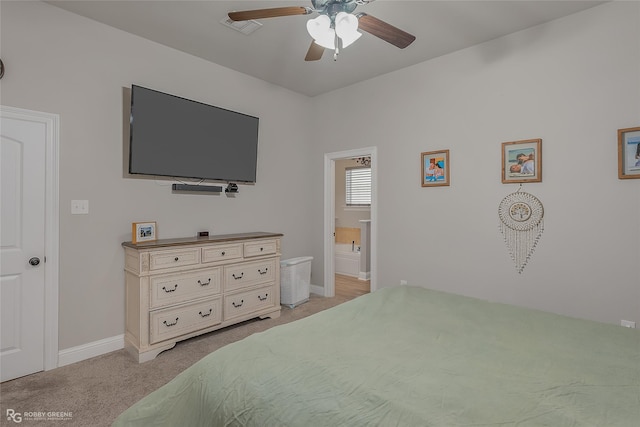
[{"x": 335, "y": 27}]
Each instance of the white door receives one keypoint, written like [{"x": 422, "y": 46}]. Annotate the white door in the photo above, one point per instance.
[{"x": 22, "y": 238}]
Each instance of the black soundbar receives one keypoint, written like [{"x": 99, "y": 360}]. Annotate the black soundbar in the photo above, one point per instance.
[{"x": 205, "y": 188}]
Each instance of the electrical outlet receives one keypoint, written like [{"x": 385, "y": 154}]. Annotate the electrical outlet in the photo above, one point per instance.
[
  {"x": 627, "y": 323},
  {"x": 403, "y": 282}
]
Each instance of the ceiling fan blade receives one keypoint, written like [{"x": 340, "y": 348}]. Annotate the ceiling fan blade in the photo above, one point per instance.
[
  {"x": 245, "y": 15},
  {"x": 386, "y": 32},
  {"x": 315, "y": 52}
]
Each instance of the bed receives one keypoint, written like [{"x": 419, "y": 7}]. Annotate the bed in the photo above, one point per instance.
[{"x": 409, "y": 356}]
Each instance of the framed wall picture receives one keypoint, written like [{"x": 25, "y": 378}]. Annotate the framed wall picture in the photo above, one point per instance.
[
  {"x": 522, "y": 161},
  {"x": 435, "y": 168},
  {"x": 143, "y": 232},
  {"x": 629, "y": 153}
]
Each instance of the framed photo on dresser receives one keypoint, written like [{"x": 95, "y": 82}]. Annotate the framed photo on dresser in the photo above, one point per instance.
[{"x": 143, "y": 232}]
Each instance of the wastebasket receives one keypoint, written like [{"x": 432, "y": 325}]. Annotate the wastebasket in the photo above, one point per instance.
[{"x": 295, "y": 276}]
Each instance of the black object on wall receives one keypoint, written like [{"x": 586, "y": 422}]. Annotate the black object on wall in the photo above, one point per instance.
[
  {"x": 176, "y": 137},
  {"x": 201, "y": 188}
]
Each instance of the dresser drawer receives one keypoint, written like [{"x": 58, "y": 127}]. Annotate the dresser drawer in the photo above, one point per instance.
[
  {"x": 248, "y": 301},
  {"x": 251, "y": 273},
  {"x": 175, "y": 258},
  {"x": 264, "y": 247},
  {"x": 172, "y": 322},
  {"x": 170, "y": 289},
  {"x": 221, "y": 253}
]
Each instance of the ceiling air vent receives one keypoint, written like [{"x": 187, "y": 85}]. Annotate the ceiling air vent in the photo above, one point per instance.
[{"x": 245, "y": 27}]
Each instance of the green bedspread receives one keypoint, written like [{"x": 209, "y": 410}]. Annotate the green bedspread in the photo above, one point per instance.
[{"x": 409, "y": 356}]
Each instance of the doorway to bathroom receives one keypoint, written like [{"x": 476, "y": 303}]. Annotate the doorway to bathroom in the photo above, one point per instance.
[{"x": 350, "y": 221}]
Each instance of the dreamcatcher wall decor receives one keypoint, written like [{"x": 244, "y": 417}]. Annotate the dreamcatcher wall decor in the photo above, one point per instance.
[{"x": 521, "y": 223}]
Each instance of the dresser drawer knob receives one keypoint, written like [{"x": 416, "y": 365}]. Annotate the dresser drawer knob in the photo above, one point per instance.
[
  {"x": 263, "y": 298},
  {"x": 206, "y": 283},
  {"x": 170, "y": 290},
  {"x": 168, "y": 325},
  {"x": 263, "y": 272},
  {"x": 261, "y": 249},
  {"x": 237, "y": 305},
  {"x": 223, "y": 252},
  {"x": 238, "y": 277},
  {"x": 176, "y": 259},
  {"x": 206, "y": 314}
]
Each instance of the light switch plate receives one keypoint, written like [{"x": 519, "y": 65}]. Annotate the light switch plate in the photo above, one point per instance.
[{"x": 79, "y": 207}]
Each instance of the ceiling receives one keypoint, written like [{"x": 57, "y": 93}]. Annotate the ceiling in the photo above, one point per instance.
[{"x": 275, "y": 52}]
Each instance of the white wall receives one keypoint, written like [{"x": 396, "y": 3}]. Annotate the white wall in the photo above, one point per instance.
[
  {"x": 61, "y": 63},
  {"x": 573, "y": 83}
]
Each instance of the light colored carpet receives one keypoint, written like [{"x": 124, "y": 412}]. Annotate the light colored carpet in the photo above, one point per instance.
[{"x": 97, "y": 390}]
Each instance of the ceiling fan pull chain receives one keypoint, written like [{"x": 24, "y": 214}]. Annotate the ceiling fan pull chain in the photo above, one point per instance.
[{"x": 337, "y": 51}]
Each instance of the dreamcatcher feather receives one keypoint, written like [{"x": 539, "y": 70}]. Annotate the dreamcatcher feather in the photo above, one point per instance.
[{"x": 521, "y": 224}]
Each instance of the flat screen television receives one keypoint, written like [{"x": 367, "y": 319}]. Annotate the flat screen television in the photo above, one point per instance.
[{"x": 176, "y": 137}]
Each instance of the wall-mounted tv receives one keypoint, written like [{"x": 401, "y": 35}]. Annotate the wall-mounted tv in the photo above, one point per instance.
[{"x": 176, "y": 137}]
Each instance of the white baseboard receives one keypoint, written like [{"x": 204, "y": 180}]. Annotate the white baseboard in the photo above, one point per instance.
[
  {"x": 315, "y": 289},
  {"x": 89, "y": 350},
  {"x": 364, "y": 275}
]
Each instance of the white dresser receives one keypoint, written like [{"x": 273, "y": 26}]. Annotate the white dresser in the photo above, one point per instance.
[{"x": 179, "y": 288}]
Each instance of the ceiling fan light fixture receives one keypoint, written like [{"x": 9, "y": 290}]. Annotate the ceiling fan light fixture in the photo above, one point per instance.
[
  {"x": 347, "y": 28},
  {"x": 320, "y": 29},
  {"x": 335, "y": 27}
]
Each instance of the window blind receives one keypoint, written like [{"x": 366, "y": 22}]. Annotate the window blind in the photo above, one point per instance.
[{"x": 358, "y": 182}]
